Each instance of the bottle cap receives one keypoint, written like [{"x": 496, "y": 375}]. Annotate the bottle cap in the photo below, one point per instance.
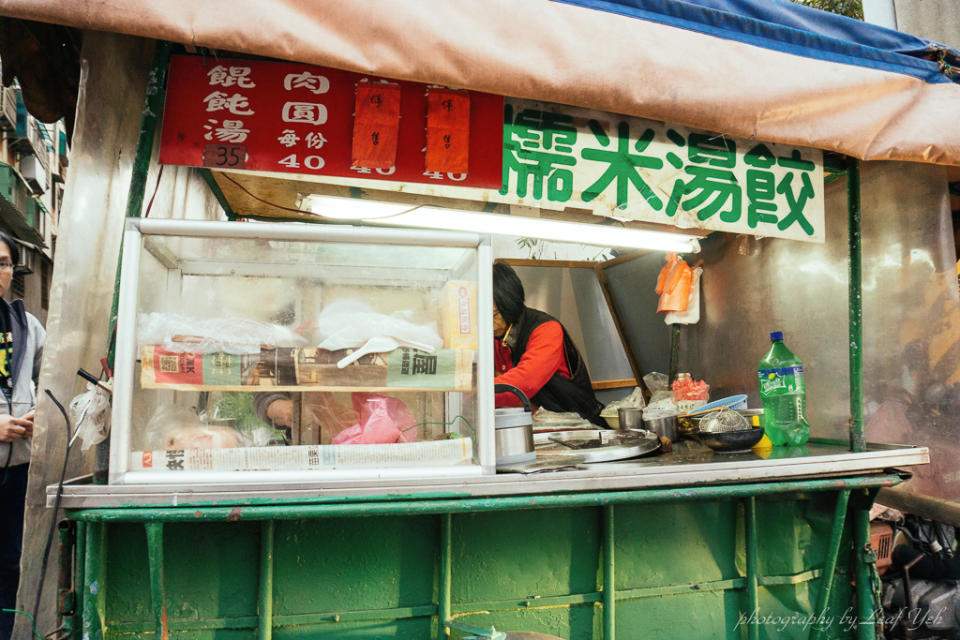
[{"x": 776, "y": 335}]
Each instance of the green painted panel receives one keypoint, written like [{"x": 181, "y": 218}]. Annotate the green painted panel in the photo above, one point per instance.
[
  {"x": 675, "y": 543},
  {"x": 694, "y": 616},
  {"x": 345, "y": 564},
  {"x": 524, "y": 554},
  {"x": 211, "y": 571},
  {"x": 679, "y": 573},
  {"x": 417, "y": 628},
  {"x": 579, "y": 621},
  {"x": 127, "y": 582}
]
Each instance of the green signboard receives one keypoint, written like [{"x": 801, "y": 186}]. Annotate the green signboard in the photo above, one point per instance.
[{"x": 634, "y": 169}]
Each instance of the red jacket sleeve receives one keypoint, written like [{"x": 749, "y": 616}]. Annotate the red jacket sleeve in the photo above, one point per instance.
[{"x": 543, "y": 358}]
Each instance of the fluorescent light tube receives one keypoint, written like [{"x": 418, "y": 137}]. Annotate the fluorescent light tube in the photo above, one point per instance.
[
  {"x": 427, "y": 217},
  {"x": 338, "y": 208},
  {"x": 556, "y": 230}
]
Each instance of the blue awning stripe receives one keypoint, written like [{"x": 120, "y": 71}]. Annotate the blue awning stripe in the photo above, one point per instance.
[{"x": 781, "y": 25}]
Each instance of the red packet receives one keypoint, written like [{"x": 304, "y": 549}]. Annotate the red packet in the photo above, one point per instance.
[
  {"x": 177, "y": 368},
  {"x": 448, "y": 131},
  {"x": 376, "y": 125}
]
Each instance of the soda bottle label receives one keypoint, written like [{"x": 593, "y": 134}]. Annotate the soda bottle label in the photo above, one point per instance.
[{"x": 781, "y": 380}]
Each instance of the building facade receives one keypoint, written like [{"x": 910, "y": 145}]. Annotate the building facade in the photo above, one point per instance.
[{"x": 33, "y": 162}]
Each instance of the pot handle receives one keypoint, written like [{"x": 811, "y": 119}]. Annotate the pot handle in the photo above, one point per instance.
[{"x": 500, "y": 388}]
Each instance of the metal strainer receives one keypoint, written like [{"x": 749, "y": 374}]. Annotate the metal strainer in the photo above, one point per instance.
[{"x": 724, "y": 420}]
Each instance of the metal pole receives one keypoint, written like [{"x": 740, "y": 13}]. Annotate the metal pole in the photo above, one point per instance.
[
  {"x": 473, "y": 505},
  {"x": 446, "y": 574},
  {"x": 866, "y": 607},
  {"x": 75, "y": 622},
  {"x": 830, "y": 565},
  {"x": 609, "y": 578},
  {"x": 266, "y": 579},
  {"x": 858, "y": 440},
  {"x": 753, "y": 599},
  {"x": 674, "y": 351},
  {"x": 93, "y": 584},
  {"x": 66, "y": 593},
  {"x": 158, "y": 592}
]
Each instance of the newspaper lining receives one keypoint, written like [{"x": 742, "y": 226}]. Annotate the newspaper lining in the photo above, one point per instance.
[{"x": 325, "y": 457}]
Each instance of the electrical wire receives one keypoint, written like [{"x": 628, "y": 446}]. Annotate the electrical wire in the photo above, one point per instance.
[
  {"x": 156, "y": 187},
  {"x": 261, "y": 200},
  {"x": 33, "y": 628},
  {"x": 56, "y": 506}
]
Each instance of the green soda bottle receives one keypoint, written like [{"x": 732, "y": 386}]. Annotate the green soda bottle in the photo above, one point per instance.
[{"x": 783, "y": 394}]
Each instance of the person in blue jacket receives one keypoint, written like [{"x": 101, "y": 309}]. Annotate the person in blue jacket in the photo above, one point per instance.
[{"x": 21, "y": 347}]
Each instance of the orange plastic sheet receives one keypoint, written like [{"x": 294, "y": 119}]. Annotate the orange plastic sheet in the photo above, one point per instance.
[{"x": 673, "y": 284}]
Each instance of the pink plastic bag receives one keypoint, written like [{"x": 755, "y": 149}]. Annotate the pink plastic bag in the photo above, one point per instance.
[{"x": 382, "y": 420}]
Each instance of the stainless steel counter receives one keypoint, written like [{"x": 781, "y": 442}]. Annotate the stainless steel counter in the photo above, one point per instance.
[{"x": 689, "y": 464}]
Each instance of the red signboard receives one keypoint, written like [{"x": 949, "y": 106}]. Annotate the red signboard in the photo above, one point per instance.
[{"x": 297, "y": 118}]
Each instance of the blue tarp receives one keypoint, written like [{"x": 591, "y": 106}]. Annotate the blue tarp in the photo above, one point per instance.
[{"x": 793, "y": 28}]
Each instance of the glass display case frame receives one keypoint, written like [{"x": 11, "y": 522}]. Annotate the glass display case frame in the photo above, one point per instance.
[{"x": 138, "y": 235}]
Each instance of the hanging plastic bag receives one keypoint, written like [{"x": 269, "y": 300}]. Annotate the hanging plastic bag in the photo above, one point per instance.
[
  {"x": 382, "y": 420},
  {"x": 692, "y": 313},
  {"x": 90, "y": 411},
  {"x": 674, "y": 284}
]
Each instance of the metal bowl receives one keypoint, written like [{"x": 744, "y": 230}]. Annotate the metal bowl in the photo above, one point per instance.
[{"x": 731, "y": 441}]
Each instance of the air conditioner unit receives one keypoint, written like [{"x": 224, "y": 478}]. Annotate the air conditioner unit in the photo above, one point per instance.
[
  {"x": 33, "y": 172},
  {"x": 28, "y": 260},
  {"x": 8, "y": 108}
]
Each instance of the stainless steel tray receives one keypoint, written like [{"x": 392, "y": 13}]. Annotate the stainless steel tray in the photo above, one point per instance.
[{"x": 596, "y": 445}]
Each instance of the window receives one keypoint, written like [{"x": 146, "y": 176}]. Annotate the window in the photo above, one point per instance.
[{"x": 45, "y": 277}]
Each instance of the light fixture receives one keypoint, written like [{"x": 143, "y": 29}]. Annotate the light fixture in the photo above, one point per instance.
[
  {"x": 350, "y": 208},
  {"x": 428, "y": 217}
]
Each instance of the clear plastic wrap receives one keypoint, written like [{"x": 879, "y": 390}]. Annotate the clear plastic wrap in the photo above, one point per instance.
[
  {"x": 350, "y": 323},
  {"x": 179, "y": 333}
]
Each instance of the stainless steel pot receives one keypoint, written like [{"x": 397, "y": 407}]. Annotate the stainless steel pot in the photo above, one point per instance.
[
  {"x": 665, "y": 426},
  {"x": 514, "y": 430}
]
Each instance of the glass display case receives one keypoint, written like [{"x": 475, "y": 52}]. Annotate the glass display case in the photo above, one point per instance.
[{"x": 286, "y": 351}]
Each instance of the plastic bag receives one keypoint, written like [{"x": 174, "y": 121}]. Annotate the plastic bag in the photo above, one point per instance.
[
  {"x": 382, "y": 420},
  {"x": 692, "y": 313},
  {"x": 172, "y": 427},
  {"x": 673, "y": 284},
  {"x": 659, "y": 386},
  {"x": 633, "y": 401},
  {"x": 331, "y": 416},
  {"x": 546, "y": 419},
  {"x": 349, "y": 323},
  {"x": 184, "y": 334},
  {"x": 662, "y": 408},
  {"x": 202, "y": 436},
  {"x": 90, "y": 411},
  {"x": 689, "y": 393}
]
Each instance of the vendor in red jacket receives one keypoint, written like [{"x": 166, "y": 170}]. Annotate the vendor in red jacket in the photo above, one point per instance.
[{"x": 533, "y": 352}]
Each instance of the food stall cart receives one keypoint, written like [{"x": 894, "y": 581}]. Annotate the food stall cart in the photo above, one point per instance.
[{"x": 687, "y": 542}]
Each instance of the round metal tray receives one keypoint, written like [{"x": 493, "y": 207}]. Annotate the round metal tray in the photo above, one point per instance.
[{"x": 597, "y": 445}]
